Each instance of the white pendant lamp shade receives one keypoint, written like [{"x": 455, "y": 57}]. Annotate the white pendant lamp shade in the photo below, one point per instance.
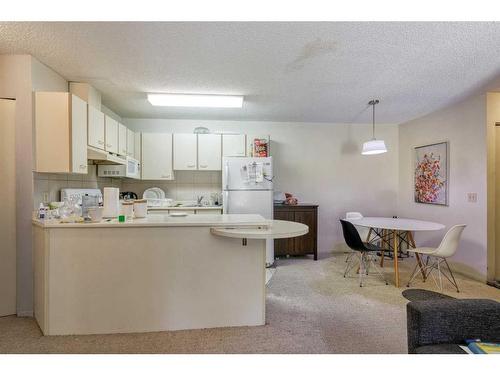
[{"x": 374, "y": 147}]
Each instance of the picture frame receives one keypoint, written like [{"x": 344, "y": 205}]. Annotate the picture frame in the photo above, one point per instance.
[{"x": 431, "y": 174}]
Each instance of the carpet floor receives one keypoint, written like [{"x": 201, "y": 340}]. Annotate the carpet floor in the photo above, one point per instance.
[{"x": 310, "y": 308}]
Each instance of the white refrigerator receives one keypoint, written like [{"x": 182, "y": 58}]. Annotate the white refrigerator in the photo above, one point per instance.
[{"x": 247, "y": 185}]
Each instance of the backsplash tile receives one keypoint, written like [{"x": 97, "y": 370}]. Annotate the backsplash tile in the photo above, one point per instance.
[{"x": 186, "y": 186}]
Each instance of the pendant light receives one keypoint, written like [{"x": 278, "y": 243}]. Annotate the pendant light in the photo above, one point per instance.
[{"x": 374, "y": 146}]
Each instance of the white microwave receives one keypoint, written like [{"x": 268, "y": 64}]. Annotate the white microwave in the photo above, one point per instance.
[{"x": 130, "y": 169}]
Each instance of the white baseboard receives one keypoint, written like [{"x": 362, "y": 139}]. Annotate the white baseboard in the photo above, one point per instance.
[{"x": 28, "y": 313}]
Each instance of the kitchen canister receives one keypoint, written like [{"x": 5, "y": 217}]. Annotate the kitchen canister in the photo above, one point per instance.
[
  {"x": 140, "y": 208},
  {"x": 128, "y": 210}
]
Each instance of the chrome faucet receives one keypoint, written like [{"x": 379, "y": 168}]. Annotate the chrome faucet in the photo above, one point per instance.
[{"x": 199, "y": 198}]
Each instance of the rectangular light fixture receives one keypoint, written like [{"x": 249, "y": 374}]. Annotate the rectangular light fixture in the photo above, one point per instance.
[{"x": 196, "y": 100}]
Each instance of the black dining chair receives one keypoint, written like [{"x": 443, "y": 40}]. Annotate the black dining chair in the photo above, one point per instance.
[{"x": 366, "y": 252}]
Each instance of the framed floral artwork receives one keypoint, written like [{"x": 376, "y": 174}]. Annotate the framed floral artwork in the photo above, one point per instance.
[{"x": 431, "y": 174}]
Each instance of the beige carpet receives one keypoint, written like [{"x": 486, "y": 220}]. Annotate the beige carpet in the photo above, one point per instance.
[{"x": 311, "y": 308}]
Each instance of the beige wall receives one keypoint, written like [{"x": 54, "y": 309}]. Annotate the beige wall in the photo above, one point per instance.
[
  {"x": 20, "y": 75},
  {"x": 464, "y": 126},
  {"x": 319, "y": 163}
]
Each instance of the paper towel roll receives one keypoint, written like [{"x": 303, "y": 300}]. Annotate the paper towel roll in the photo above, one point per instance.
[{"x": 111, "y": 202}]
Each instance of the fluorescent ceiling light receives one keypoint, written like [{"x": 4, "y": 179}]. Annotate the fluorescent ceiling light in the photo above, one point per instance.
[{"x": 195, "y": 100}]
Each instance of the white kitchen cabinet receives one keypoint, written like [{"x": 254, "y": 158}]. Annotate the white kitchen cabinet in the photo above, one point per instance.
[
  {"x": 138, "y": 146},
  {"x": 233, "y": 145},
  {"x": 185, "y": 152},
  {"x": 111, "y": 140},
  {"x": 96, "y": 133},
  {"x": 60, "y": 133},
  {"x": 122, "y": 140},
  {"x": 130, "y": 143},
  {"x": 209, "y": 152},
  {"x": 156, "y": 156}
]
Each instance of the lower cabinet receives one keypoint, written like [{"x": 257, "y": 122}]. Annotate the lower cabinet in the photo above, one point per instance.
[{"x": 307, "y": 244}]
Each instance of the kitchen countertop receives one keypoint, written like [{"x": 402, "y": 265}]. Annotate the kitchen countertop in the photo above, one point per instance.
[
  {"x": 185, "y": 208},
  {"x": 159, "y": 220}
]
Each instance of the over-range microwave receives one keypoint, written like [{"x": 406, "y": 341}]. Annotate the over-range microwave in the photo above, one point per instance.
[{"x": 131, "y": 169}]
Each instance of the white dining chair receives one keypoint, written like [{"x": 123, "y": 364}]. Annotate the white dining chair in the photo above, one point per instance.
[
  {"x": 437, "y": 257},
  {"x": 363, "y": 231}
]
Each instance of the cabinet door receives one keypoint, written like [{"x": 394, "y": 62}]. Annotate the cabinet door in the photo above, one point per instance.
[
  {"x": 137, "y": 146},
  {"x": 185, "y": 152},
  {"x": 122, "y": 140},
  {"x": 306, "y": 244},
  {"x": 111, "y": 139},
  {"x": 157, "y": 156},
  {"x": 130, "y": 143},
  {"x": 233, "y": 145},
  {"x": 209, "y": 152},
  {"x": 78, "y": 135},
  {"x": 284, "y": 246},
  {"x": 95, "y": 128}
]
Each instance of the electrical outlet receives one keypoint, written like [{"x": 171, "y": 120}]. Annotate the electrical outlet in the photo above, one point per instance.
[
  {"x": 45, "y": 197},
  {"x": 472, "y": 197}
]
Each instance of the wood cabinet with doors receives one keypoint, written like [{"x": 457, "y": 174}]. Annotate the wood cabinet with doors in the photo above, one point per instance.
[
  {"x": 185, "y": 152},
  {"x": 96, "y": 132},
  {"x": 307, "y": 244},
  {"x": 60, "y": 133},
  {"x": 156, "y": 156},
  {"x": 233, "y": 145},
  {"x": 122, "y": 139},
  {"x": 209, "y": 152},
  {"x": 111, "y": 138}
]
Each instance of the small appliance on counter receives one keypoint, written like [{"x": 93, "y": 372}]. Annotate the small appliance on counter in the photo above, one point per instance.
[
  {"x": 128, "y": 195},
  {"x": 77, "y": 194},
  {"x": 111, "y": 202}
]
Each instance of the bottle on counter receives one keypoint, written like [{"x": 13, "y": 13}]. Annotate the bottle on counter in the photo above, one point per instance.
[{"x": 41, "y": 211}]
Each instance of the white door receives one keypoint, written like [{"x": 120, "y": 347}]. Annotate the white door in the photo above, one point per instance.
[
  {"x": 130, "y": 143},
  {"x": 157, "y": 156},
  {"x": 96, "y": 133},
  {"x": 238, "y": 174},
  {"x": 8, "y": 217},
  {"x": 78, "y": 135},
  {"x": 233, "y": 145},
  {"x": 209, "y": 152},
  {"x": 185, "y": 152},
  {"x": 122, "y": 140},
  {"x": 111, "y": 127}
]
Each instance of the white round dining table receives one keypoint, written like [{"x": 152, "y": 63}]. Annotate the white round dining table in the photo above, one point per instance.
[{"x": 395, "y": 227}]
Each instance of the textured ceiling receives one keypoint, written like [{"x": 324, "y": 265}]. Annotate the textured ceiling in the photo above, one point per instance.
[{"x": 314, "y": 72}]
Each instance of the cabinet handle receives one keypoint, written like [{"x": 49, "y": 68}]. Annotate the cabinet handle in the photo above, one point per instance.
[
  {"x": 191, "y": 165},
  {"x": 100, "y": 142},
  {"x": 165, "y": 176},
  {"x": 203, "y": 166},
  {"x": 107, "y": 145},
  {"x": 82, "y": 166}
]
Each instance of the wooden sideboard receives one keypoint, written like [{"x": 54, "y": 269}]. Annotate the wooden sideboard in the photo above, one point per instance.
[{"x": 301, "y": 213}]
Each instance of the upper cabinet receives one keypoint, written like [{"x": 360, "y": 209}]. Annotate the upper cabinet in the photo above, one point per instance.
[
  {"x": 60, "y": 133},
  {"x": 130, "y": 143},
  {"x": 156, "y": 150},
  {"x": 137, "y": 146},
  {"x": 96, "y": 133},
  {"x": 122, "y": 140},
  {"x": 111, "y": 140},
  {"x": 233, "y": 145},
  {"x": 185, "y": 152},
  {"x": 209, "y": 152}
]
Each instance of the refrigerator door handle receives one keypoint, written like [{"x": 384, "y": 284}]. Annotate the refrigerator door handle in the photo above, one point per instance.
[
  {"x": 225, "y": 206},
  {"x": 226, "y": 175}
]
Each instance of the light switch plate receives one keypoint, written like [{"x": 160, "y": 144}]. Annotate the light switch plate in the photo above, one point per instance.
[{"x": 472, "y": 197}]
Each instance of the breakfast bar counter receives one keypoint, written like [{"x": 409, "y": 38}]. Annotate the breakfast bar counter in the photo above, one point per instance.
[{"x": 153, "y": 274}]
